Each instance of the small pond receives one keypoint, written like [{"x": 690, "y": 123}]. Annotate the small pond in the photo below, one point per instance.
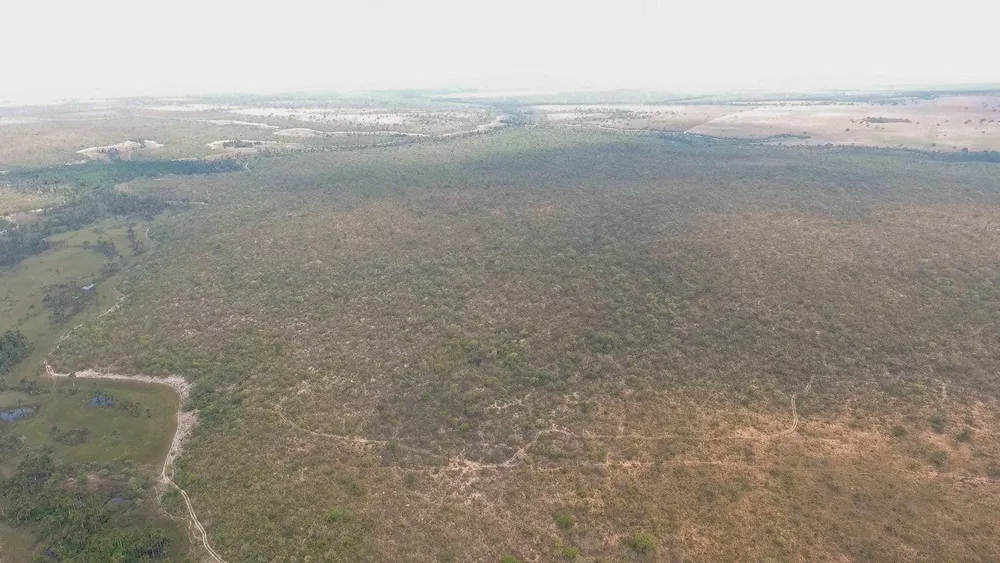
[
  {"x": 102, "y": 400},
  {"x": 11, "y": 415}
]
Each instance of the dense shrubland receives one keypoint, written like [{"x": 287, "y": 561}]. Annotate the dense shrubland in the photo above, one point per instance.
[{"x": 450, "y": 342}]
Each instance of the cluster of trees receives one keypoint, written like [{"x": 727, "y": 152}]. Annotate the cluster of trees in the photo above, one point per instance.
[
  {"x": 25, "y": 240},
  {"x": 14, "y": 347},
  {"x": 137, "y": 245},
  {"x": 106, "y": 247},
  {"x": 17, "y": 244},
  {"x": 101, "y": 174},
  {"x": 78, "y": 524},
  {"x": 65, "y": 300},
  {"x": 93, "y": 198}
]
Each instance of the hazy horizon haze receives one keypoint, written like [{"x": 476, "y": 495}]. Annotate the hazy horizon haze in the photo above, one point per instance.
[{"x": 64, "y": 50}]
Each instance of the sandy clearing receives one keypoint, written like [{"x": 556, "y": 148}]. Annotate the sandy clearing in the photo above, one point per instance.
[
  {"x": 239, "y": 123},
  {"x": 363, "y": 118},
  {"x": 176, "y": 382},
  {"x": 18, "y": 120},
  {"x": 18, "y": 217},
  {"x": 250, "y": 145},
  {"x": 327, "y": 115},
  {"x": 376, "y": 134},
  {"x": 123, "y": 148},
  {"x": 942, "y": 124},
  {"x": 188, "y": 107},
  {"x": 303, "y": 132},
  {"x": 586, "y": 108},
  {"x": 948, "y": 123},
  {"x": 633, "y": 117},
  {"x": 306, "y": 133},
  {"x": 300, "y": 132},
  {"x": 570, "y": 115},
  {"x": 497, "y": 123}
]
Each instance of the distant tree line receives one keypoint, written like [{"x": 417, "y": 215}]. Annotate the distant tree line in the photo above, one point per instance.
[
  {"x": 103, "y": 174},
  {"x": 885, "y": 120}
]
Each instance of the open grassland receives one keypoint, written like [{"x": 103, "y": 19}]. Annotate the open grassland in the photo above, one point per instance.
[
  {"x": 79, "y": 462},
  {"x": 14, "y": 202},
  {"x": 41, "y": 296},
  {"x": 141, "y": 435},
  {"x": 108, "y": 441},
  {"x": 562, "y": 345}
]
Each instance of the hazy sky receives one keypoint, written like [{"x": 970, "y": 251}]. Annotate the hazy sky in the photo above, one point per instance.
[{"x": 51, "y": 49}]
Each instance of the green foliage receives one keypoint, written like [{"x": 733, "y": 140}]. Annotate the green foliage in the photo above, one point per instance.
[
  {"x": 65, "y": 300},
  {"x": 509, "y": 559},
  {"x": 898, "y": 431},
  {"x": 14, "y": 347},
  {"x": 83, "y": 208},
  {"x": 564, "y": 521},
  {"x": 336, "y": 515},
  {"x": 965, "y": 436},
  {"x": 93, "y": 198},
  {"x": 938, "y": 423},
  {"x": 642, "y": 543},
  {"x": 353, "y": 486},
  {"x": 569, "y": 552},
  {"x": 76, "y": 524},
  {"x": 100, "y": 174}
]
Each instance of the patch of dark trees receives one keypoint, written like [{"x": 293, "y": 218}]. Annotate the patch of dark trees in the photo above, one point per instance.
[
  {"x": 14, "y": 347},
  {"x": 76, "y": 522}
]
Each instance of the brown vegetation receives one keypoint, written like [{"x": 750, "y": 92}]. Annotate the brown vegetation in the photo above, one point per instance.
[{"x": 447, "y": 344}]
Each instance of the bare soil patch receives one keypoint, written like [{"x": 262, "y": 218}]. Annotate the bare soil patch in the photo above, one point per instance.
[
  {"x": 949, "y": 123},
  {"x": 122, "y": 150}
]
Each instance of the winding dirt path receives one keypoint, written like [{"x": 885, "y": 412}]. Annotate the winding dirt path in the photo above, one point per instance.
[
  {"x": 186, "y": 421},
  {"x": 793, "y": 427},
  {"x": 464, "y": 465}
]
